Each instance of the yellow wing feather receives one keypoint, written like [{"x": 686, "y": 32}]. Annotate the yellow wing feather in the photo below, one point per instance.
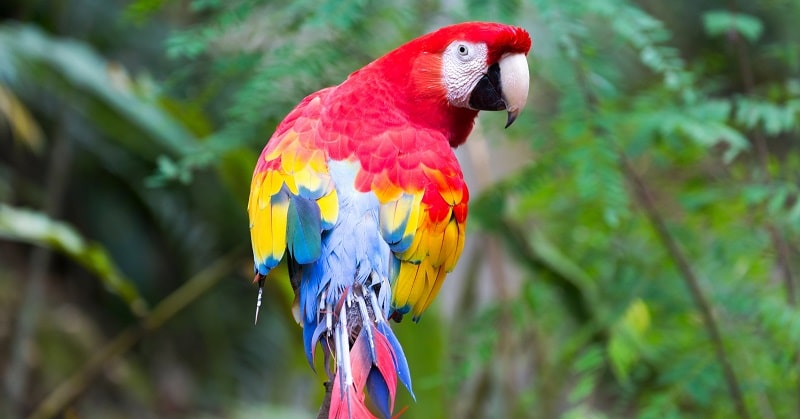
[
  {"x": 435, "y": 245},
  {"x": 288, "y": 167}
]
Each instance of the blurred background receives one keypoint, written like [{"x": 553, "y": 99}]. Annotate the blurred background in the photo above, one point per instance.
[{"x": 633, "y": 247}]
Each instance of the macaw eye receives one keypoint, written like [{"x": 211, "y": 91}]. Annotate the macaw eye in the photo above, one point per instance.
[{"x": 464, "y": 51}]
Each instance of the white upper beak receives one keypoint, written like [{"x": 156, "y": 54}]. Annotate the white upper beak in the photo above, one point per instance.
[{"x": 514, "y": 79}]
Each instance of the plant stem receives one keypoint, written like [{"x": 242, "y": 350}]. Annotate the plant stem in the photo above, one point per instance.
[
  {"x": 68, "y": 390},
  {"x": 645, "y": 198},
  {"x": 17, "y": 373},
  {"x": 762, "y": 151},
  {"x": 782, "y": 250}
]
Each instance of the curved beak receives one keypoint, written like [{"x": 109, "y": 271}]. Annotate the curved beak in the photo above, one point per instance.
[{"x": 504, "y": 86}]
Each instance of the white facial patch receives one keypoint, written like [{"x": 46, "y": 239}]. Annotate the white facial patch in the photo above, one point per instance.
[{"x": 463, "y": 65}]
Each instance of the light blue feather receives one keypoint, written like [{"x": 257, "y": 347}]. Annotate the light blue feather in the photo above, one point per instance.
[{"x": 353, "y": 252}]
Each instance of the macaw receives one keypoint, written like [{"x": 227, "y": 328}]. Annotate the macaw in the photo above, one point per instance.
[{"x": 360, "y": 190}]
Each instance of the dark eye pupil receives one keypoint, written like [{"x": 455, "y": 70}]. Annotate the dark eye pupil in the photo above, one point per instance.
[{"x": 462, "y": 49}]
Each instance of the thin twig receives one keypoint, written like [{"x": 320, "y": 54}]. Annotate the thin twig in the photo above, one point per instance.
[
  {"x": 779, "y": 242},
  {"x": 72, "y": 387},
  {"x": 17, "y": 374},
  {"x": 645, "y": 198},
  {"x": 784, "y": 255},
  {"x": 762, "y": 151}
]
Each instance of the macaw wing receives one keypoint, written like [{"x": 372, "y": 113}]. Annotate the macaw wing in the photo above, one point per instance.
[
  {"x": 423, "y": 211},
  {"x": 292, "y": 196}
]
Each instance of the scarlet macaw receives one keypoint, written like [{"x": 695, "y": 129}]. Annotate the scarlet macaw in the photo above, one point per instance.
[{"x": 360, "y": 188}]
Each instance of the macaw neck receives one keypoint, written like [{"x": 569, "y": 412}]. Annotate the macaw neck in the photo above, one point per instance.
[
  {"x": 434, "y": 113},
  {"x": 460, "y": 122}
]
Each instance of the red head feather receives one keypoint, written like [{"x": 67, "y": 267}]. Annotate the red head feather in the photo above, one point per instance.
[{"x": 409, "y": 79}]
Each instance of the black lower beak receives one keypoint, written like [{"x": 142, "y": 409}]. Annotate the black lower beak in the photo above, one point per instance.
[{"x": 488, "y": 93}]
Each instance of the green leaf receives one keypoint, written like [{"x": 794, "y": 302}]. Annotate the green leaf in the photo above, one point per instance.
[
  {"x": 587, "y": 366},
  {"x": 627, "y": 337},
  {"x": 140, "y": 11},
  {"x": 39, "y": 229},
  {"x": 774, "y": 118},
  {"x": 794, "y": 212},
  {"x": 23, "y": 127},
  {"x": 96, "y": 88},
  {"x": 721, "y": 22},
  {"x": 706, "y": 124}
]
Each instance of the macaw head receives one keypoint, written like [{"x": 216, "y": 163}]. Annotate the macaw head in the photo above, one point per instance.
[
  {"x": 484, "y": 67},
  {"x": 447, "y": 76}
]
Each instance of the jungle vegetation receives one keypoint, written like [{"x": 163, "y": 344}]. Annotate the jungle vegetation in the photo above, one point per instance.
[{"x": 634, "y": 246}]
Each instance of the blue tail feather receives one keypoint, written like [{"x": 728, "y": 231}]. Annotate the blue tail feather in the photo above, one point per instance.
[
  {"x": 311, "y": 333},
  {"x": 400, "y": 363},
  {"x": 379, "y": 392}
]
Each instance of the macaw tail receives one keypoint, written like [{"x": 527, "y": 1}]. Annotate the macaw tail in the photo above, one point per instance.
[{"x": 362, "y": 355}]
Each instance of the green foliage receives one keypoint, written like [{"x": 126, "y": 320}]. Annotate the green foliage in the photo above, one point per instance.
[
  {"x": 585, "y": 312},
  {"x": 723, "y": 22},
  {"x": 692, "y": 142},
  {"x": 625, "y": 346},
  {"x": 14, "y": 115},
  {"x": 36, "y": 228},
  {"x": 772, "y": 118},
  {"x": 258, "y": 76},
  {"x": 97, "y": 88}
]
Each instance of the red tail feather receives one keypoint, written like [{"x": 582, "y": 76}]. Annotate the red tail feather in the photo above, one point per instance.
[
  {"x": 348, "y": 404},
  {"x": 350, "y": 401},
  {"x": 385, "y": 364}
]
